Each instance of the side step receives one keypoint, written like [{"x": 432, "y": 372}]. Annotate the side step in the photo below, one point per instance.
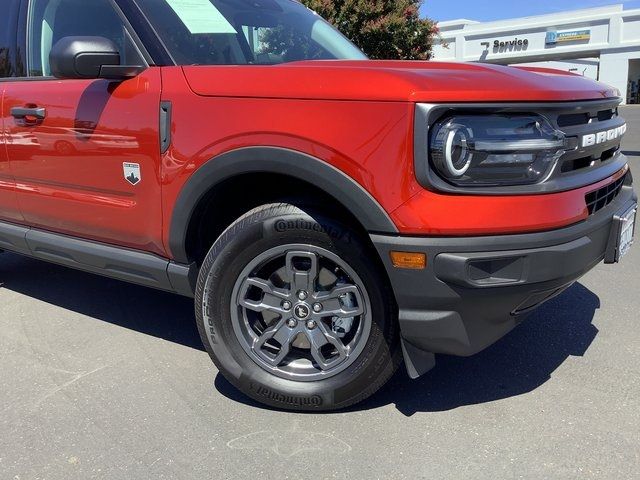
[{"x": 124, "y": 264}]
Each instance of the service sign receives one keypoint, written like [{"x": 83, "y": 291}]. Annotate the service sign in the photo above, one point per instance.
[{"x": 554, "y": 38}]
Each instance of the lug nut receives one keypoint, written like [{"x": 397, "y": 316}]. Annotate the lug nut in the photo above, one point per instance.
[
  {"x": 317, "y": 307},
  {"x": 286, "y": 305},
  {"x": 311, "y": 324},
  {"x": 302, "y": 295},
  {"x": 292, "y": 323}
]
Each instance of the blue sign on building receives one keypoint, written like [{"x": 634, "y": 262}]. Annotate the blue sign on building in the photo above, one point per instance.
[{"x": 552, "y": 38}]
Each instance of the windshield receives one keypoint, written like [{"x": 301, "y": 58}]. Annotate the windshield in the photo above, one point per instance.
[{"x": 245, "y": 32}]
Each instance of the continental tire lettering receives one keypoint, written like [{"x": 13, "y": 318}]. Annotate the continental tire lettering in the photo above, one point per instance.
[
  {"x": 285, "y": 225},
  {"x": 212, "y": 332},
  {"x": 295, "y": 400},
  {"x": 282, "y": 226}
]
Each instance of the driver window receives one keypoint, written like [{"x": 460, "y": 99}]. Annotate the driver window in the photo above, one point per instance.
[
  {"x": 52, "y": 20},
  {"x": 281, "y": 43}
]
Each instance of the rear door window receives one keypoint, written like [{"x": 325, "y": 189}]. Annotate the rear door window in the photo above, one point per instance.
[{"x": 8, "y": 35}]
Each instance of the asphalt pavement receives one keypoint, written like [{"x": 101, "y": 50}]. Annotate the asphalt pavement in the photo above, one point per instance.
[{"x": 101, "y": 379}]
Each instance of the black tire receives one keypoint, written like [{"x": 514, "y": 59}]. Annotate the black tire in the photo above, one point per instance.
[{"x": 250, "y": 236}]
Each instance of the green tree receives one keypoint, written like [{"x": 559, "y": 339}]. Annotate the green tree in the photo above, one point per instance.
[{"x": 383, "y": 29}]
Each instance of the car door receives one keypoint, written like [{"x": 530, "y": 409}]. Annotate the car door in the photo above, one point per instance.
[
  {"x": 92, "y": 167},
  {"x": 9, "y": 68}
]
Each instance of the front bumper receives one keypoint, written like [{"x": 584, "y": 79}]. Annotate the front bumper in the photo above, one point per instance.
[{"x": 475, "y": 290}]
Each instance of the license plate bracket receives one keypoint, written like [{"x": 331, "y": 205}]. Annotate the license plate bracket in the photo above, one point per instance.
[{"x": 626, "y": 232}]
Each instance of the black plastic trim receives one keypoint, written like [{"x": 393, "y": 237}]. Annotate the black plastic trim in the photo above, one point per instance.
[
  {"x": 457, "y": 306},
  {"x": 280, "y": 161},
  {"x": 13, "y": 238},
  {"x": 82, "y": 57},
  {"x": 131, "y": 266},
  {"x": 165, "y": 126},
  {"x": 427, "y": 114},
  {"x": 20, "y": 113},
  {"x": 183, "y": 278},
  {"x": 417, "y": 361},
  {"x": 121, "y": 72},
  {"x": 21, "y": 40},
  {"x": 135, "y": 38},
  {"x": 152, "y": 42}
]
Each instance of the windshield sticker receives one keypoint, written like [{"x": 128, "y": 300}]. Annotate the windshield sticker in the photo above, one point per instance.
[{"x": 201, "y": 16}]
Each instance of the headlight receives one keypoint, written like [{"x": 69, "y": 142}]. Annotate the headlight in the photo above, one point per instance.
[{"x": 493, "y": 150}]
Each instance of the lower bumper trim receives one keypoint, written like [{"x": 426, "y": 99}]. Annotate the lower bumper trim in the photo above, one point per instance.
[{"x": 473, "y": 291}]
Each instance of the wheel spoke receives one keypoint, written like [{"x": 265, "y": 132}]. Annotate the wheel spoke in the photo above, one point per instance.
[
  {"x": 302, "y": 279},
  {"x": 268, "y": 287},
  {"x": 272, "y": 297},
  {"x": 279, "y": 332},
  {"x": 321, "y": 336},
  {"x": 334, "y": 302}
]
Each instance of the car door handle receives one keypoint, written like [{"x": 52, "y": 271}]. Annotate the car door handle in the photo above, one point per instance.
[{"x": 21, "y": 113}]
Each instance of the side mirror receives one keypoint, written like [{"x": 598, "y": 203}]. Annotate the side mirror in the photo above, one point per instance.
[{"x": 89, "y": 57}]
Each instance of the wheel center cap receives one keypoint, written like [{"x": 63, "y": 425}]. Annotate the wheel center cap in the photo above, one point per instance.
[{"x": 301, "y": 311}]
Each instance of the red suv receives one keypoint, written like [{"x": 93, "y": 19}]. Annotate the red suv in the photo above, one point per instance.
[{"x": 330, "y": 215}]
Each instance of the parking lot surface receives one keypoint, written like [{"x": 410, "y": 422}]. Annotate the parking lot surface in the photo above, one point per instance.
[{"x": 101, "y": 379}]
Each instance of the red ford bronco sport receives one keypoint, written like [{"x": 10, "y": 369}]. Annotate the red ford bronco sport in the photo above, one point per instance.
[{"x": 330, "y": 215}]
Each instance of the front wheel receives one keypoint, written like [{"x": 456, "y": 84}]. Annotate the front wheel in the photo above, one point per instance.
[{"x": 295, "y": 311}]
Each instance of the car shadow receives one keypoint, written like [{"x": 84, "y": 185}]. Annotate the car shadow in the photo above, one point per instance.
[
  {"x": 519, "y": 363},
  {"x": 151, "y": 312}
]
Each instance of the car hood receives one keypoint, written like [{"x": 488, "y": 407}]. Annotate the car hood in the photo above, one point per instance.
[{"x": 399, "y": 81}]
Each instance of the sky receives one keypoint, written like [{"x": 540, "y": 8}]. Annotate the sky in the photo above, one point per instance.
[{"x": 442, "y": 10}]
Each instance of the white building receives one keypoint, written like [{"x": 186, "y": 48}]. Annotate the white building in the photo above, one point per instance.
[{"x": 601, "y": 43}]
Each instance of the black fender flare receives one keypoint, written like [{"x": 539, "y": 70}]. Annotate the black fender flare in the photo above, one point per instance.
[{"x": 280, "y": 161}]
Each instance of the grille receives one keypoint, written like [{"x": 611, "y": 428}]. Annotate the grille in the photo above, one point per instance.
[
  {"x": 576, "y": 119},
  {"x": 588, "y": 118},
  {"x": 603, "y": 197},
  {"x": 589, "y": 161},
  {"x": 573, "y": 119}
]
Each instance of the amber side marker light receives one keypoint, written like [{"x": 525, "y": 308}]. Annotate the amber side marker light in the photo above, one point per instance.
[{"x": 409, "y": 260}]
